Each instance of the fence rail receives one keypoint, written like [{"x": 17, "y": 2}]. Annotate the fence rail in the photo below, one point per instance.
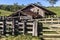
[
  {"x": 51, "y": 30},
  {"x": 15, "y": 26}
]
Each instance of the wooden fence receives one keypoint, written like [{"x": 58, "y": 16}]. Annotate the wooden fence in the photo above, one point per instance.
[
  {"x": 48, "y": 28},
  {"x": 16, "y": 26},
  {"x": 51, "y": 28}
]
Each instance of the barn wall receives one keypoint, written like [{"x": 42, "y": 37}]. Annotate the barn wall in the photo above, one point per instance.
[
  {"x": 40, "y": 11},
  {"x": 15, "y": 26}
]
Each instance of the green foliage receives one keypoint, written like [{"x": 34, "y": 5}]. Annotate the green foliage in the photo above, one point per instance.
[
  {"x": 12, "y": 8},
  {"x": 52, "y": 2},
  {"x": 55, "y": 9},
  {"x": 5, "y": 13},
  {"x": 0, "y": 12},
  {"x": 38, "y": 3},
  {"x": 20, "y": 37}
]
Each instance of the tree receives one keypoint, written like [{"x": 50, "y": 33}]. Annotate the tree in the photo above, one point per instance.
[
  {"x": 15, "y": 7},
  {"x": 12, "y": 8},
  {"x": 38, "y": 3},
  {"x": 52, "y": 2},
  {"x": 3, "y": 7}
]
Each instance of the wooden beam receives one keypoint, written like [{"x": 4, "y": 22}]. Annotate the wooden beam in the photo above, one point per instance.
[{"x": 35, "y": 33}]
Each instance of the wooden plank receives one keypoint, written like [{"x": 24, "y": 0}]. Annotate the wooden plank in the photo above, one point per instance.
[
  {"x": 29, "y": 27},
  {"x": 29, "y": 31},
  {"x": 24, "y": 28},
  {"x": 29, "y": 23},
  {"x": 51, "y": 34},
  {"x": 35, "y": 33}
]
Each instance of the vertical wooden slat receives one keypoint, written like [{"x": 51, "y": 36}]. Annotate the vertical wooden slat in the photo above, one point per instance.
[
  {"x": 4, "y": 26},
  {"x": 35, "y": 33},
  {"x": 13, "y": 26},
  {"x": 24, "y": 27}
]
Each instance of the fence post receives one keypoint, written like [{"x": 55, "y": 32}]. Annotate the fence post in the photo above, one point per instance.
[
  {"x": 24, "y": 27},
  {"x": 35, "y": 32},
  {"x": 13, "y": 26},
  {"x": 4, "y": 26}
]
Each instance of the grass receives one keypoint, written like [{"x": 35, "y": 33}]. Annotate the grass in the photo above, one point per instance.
[
  {"x": 20, "y": 37},
  {"x": 5, "y": 13},
  {"x": 55, "y": 9}
]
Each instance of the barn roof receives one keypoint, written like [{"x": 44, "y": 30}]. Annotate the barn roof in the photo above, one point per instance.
[
  {"x": 32, "y": 13},
  {"x": 17, "y": 13},
  {"x": 28, "y": 13},
  {"x": 46, "y": 10}
]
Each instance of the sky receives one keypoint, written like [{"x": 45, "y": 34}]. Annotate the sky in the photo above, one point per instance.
[{"x": 25, "y": 2}]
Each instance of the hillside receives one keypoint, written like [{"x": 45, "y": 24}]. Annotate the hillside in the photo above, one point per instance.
[
  {"x": 5, "y": 13},
  {"x": 55, "y": 9}
]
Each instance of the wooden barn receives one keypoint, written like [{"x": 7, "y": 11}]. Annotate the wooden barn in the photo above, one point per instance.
[
  {"x": 24, "y": 20},
  {"x": 34, "y": 11}
]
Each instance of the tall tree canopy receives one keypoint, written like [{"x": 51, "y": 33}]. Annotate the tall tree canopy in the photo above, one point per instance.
[
  {"x": 52, "y": 2},
  {"x": 12, "y": 8}
]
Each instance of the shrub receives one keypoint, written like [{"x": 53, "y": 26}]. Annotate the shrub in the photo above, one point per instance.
[{"x": 20, "y": 37}]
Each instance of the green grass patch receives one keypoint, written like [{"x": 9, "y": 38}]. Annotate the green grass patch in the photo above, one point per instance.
[
  {"x": 5, "y": 13},
  {"x": 20, "y": 37},
  {"x": 55, "y": 9}
]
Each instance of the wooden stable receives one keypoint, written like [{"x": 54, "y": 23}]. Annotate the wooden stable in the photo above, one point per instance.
[
  {"x": 34, "y": 27},
  {"x": 34, "y": 20},
  {"x": 14, "y": 26}
]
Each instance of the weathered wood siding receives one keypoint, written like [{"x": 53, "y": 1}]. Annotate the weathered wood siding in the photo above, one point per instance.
[
  {"x": 38, "y": 10},
  {"x": 16, "y": 26}
]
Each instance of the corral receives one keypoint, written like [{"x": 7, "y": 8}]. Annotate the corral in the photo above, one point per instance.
[{"x": 34, "y": 20}]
